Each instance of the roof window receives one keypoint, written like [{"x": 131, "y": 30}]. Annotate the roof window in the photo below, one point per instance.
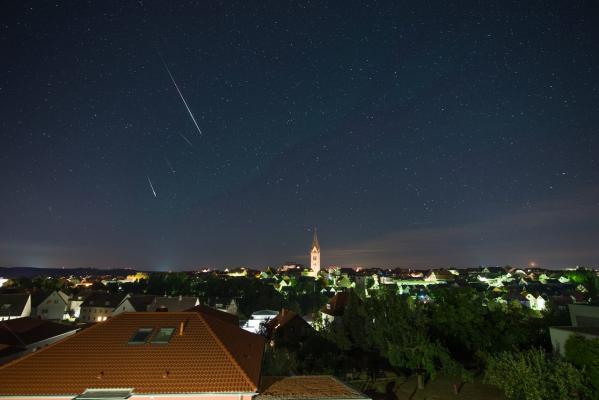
[
  {"x": 163, "y": 336},
  {"x": 105, "y": 394},
  {"x": 141, "y": 336}
]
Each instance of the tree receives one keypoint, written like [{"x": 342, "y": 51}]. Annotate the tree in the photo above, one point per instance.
[
  {"x": 531, "y": 375},
  {"x": 279, "y": 362},
  {"x": 584, "y": 353},
  {"x": 399, "y": 329},
  {"x": 467, "y": 328}
]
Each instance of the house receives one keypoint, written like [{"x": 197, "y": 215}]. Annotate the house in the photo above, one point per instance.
[
  {"x": 14, "y": 306},
  {"x": 230, "y": 307},
  {"x": 75, "y": 306},
  {"x": 140, "y": 356},
  {"x": 23, "y": 335},
  {"x": 441, "y": 275},
  {"x": 560, "y": 335},
  {"x": 584, "y": 315},
  {"x": 585, "y": 322},
  {"x": 214, "y": 313},
  {"x": 306, "y": 387},
  {"x": 257, "y": 319},
  {"x": 180, "y": 303},
  {"x": 133, "y": 304},
  {"x": 53, "y": 305},
  {"x": 536, "y": 302},
  {"x": 288, "y": 328},
  {"x": 98, "y": 307},
  {"x": 335, "y": 308}
]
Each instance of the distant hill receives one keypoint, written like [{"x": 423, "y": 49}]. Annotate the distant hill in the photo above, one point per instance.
[{"x": 31, "y": 272}]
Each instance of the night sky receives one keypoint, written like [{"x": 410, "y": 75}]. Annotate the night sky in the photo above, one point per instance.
[{"x": 421, "y": 133}]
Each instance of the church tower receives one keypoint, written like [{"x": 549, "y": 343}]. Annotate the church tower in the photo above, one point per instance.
[{"x": 315, "y": 254}]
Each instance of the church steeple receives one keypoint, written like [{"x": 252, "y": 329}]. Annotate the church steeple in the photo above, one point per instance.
[
  {"x": 315, "y": 244},
  {"x": 315, "y": 254}
]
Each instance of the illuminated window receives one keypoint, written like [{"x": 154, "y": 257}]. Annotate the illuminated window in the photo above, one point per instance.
[
  {"x": 141, "y": 336},
  {"x": 163, "y": 336}
]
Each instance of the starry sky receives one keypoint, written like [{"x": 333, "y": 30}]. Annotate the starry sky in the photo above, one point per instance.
[{"x": 411, "y": 134}]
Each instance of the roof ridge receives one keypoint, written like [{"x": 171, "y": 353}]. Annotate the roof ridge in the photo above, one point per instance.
[{"x": 226, "y": 350}]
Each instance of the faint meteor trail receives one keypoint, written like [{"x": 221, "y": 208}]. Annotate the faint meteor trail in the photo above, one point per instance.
[
  {"x": 152, "y": 187},
  {"x": 185, "y": 138},
  {"x": 181, "y": 95}
]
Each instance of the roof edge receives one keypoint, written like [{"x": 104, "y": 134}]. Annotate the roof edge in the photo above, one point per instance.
[
  {"x": 178, "y": 394},
  {"x": 228, "y": 353}
]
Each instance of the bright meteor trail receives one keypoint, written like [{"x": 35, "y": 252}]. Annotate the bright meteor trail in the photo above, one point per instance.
[
  {"x": 152, "y": 187},
  {"x": 181, "y": 95}
]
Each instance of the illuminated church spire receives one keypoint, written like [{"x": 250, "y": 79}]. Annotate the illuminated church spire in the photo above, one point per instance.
[{"x": 315, "y": 254}]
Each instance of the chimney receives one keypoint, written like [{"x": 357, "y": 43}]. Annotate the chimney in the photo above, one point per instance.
[
  {"x": 180, "y": 297},
  {"x": 181, "y": 327}
]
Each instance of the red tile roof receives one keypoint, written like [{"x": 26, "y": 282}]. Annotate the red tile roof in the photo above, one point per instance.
[
  {"x": 210, "y": 356},
  {"x": 305, "y": 387}
]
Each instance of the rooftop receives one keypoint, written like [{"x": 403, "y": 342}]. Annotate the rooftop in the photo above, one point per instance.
[
  {"x": 27, "y": 330},
  {"x": 204, "y": 354},
  {"x": 105, "y": 300},
  {"x": 13, "y": 304},
  {"x": 177, "y": 303},
  {"x": 306, "y": 387}
]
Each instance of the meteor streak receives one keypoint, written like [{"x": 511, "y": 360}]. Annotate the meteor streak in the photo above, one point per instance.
[
  {"x": 185, "y": 138},
  {"x": 181, "y": 95},
  {"x": 152, "y": 187}
]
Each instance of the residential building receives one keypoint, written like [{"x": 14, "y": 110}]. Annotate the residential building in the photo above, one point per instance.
[
  {"x": 53, "y": 305},
  {"x": 98, "y": 307},
  {"x": 288, "y": 328},
  {"x": 133, "y": 303},
  {"x": 584, "y": 314},
  {"x": 439, "y": 275},
  {"x": 335, "y": 308},
  {"x": 14, "y": 306},
  {"x": 560, "y": 335},
  {"x": 180, "y": 303},
  {"x": 23, "y": 335},
  {"x": 142, "y": 356},
  {"x": 75, "y": 306},
  {"x": 585, "y": 322},
  {"x": 257, "y": 319},
  {"x": 219, "y": 314}
]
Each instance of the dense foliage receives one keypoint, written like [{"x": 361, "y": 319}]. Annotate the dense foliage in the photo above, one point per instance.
[
  {"x": 452, "y": 333},
  {"x": 531, "y": 375},
  {"x": 584, "y": 353}
]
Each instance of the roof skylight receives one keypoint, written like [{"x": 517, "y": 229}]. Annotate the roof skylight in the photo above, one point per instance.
[
  {"x": 163, "y": 336},
  {"x": 141, "y": 336}
]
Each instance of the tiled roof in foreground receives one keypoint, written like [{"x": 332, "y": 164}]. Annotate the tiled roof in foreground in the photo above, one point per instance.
[
  {"x": 210, "y": 356},
  {"x": 307, "y": 387}
]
